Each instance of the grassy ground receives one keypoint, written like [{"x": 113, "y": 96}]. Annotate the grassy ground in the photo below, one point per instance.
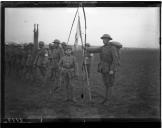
[{"x": 136, "y": 93}]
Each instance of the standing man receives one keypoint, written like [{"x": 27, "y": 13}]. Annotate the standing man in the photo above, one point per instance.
[
  {"x": 109, "y": 62},
  {"x": 28, "y": 65},
  {"x": 64, "y": 45},
  {"x": 55, "y": 54},
  {"x": 87, "y": 61},
  {"x": 39, "y": 60}
]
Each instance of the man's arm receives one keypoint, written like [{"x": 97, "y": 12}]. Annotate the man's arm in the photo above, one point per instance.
[
  {"x": 94, "y": 50},
  {"x": 61, "y": 52},
  {"x": 115, "y": 59}
]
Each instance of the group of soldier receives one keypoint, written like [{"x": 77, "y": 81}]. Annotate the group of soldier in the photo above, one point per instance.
[
  {"x": 58, "y": 64},
  {"x": 55, "y": 63}
]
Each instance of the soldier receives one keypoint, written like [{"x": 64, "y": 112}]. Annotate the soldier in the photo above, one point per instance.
[
  {"x": 87, "y": 61},
  {"x": 49, "y": 73},
  {"x": 7, "y": 59},
  {"x": 53, "y": 70},
  {"x": 29, "y": 62},
  {"x": 108, "y": 63},
  {"x": 69, "y": 70},
  {"x": 64, "y": 46},
  {"x": 19, "y": 60},
  {"x": 39, "y": 60}
]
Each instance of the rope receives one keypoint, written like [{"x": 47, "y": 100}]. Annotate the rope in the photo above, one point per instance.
[
  {"x": 72, "y": 25},
  {"x": 87, "y": 78}
]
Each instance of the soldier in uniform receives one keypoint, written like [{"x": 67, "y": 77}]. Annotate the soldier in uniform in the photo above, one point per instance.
[
  {"x": 108, "y": 63},
  {"x": 64, "y": 46},
  {"x": 29, "y": 62},
  {"x": 69, "y": 70},
  {"x": 87, "y": 61},
  {"x": 39, "y": 60},
  {"x": 7, "y": 59},
  {"x": 53, "y": 70},
  {"x": 49, "y": 67}
]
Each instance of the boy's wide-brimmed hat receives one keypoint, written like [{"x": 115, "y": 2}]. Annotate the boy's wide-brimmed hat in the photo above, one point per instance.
[
  {"x": 56, "y": 41},
  {"x": 68, "y": 47},
  {"x": 63, "y": 43},
  {"x": 106, "y": 36}
]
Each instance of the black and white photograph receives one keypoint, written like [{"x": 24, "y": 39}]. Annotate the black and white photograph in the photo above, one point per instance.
[{"x": 81, "y": 61}]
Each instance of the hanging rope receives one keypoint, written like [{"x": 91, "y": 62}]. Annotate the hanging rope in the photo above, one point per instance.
[
  {"x": 84, "y": 50},
  {"x": 72, "y": 25},
  {"x": 83, "y": 44}
]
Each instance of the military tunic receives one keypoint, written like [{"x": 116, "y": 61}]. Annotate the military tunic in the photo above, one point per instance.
[
  {"x": 54, "y": 56},
  {"x": 68, "y": 66},
  {"x": 39, "y": 62},
  {"x": 108, "y": 62},
  {"x": 87, "y": 62}
]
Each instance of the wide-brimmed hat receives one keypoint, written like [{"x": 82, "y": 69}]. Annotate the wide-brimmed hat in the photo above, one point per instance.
[
  {"x": 56, "y": 41},
  {"x": 68, "y": 47},
  {"x": 41, "y": 43},
  {"x": 106, "y": 36},
  {"x": 63, "y": 43}
]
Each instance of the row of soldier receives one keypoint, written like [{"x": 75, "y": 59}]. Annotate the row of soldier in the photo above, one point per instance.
[
  {"x": 44, "y": 65},
  {"x": 22, "y": 60},
  {"x": 59, "y": 64}
]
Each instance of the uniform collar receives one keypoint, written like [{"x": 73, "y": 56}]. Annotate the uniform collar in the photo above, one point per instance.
[{"x": 108, "y": 44}]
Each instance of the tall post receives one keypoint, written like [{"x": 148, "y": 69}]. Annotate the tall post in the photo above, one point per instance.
[
  {"x": 37, "y": 37},
  {"x": 36, "y": 46},
  {"x": 34, "y": 37}
]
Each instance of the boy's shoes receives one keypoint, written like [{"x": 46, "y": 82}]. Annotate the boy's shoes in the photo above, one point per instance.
[{"x": 71, "y": 100}]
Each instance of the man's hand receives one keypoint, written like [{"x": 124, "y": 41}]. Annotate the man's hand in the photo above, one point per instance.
[
  {"x": 76, "y": 75},
  {"x": 111, "y": 72}
]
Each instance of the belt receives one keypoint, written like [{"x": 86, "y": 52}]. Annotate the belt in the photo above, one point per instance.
[{"x": 67, "y": 67}]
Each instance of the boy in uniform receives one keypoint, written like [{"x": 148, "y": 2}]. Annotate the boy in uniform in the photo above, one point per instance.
[{"x": 69, "y": 70}]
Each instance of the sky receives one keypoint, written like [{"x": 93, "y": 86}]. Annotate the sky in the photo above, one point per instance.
[{"x": 131, "y": 26}]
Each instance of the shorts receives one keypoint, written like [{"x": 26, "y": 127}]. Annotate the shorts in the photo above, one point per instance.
[{"x": 68, "y": 73}]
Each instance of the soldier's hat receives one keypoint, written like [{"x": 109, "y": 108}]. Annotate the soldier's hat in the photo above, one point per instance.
[
  {"x": 30, "y": 44},
  {"x": 63, "y": 43},
  {"x": 106, "y": 36},
  {"x": 50, "y": 44},
  {"x": 41, "y": 43},
  {"x": 56, "y": 41}
]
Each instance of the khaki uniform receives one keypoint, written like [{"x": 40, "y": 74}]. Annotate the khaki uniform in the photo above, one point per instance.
[
  {"x": 68, "y": 67},
  {"x": 87, "y": 62},
  {"x": 54, "y": 56},
  {"x": 67, "y": 64},
  {"x": 108, "y": 61},
  {"x": 40, "y": 63},
  {"x": 29, "y": 72}
]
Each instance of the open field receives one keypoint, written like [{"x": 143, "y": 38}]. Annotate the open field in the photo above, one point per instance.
[{"x": 136, "y": 93}]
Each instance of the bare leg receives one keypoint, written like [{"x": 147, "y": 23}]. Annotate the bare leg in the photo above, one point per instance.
[{"x": 71, "y": 87}]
